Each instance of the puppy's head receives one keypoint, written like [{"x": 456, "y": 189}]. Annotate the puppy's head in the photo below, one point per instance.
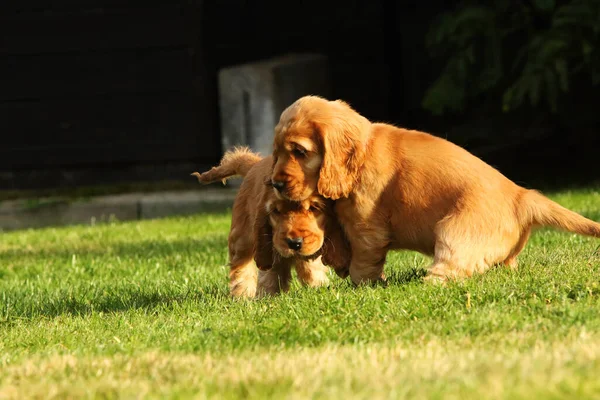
[
  {"x": 298, "y": 227},
  {"x": 319, "y": 147},
  {"x": 304, "y": 229}
]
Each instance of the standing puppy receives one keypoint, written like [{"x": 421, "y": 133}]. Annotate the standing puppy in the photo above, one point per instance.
[
  {"x": 304, "y": 234},
  {"x": 403, "y": 189}
]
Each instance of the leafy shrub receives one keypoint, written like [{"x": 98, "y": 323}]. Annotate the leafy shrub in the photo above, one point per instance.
[{"x": 518, "y": 51}]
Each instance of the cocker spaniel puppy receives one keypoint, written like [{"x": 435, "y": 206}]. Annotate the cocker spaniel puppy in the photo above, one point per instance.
[
  {"x": 304, "y": 233},
  {"x": 404, "y": 189}
]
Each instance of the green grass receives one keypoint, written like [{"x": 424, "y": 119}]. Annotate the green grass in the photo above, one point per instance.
[{"x": 141, "y": 309}]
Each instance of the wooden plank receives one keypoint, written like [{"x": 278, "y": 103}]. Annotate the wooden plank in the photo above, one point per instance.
[
  {"x": 116, "y": 174},
  {"x": 348, "y": 30},
  {"x": 32, "y": 77},
  {"x": 82, "y": 156},
  {"x": 49, "y": 7},
  {"x": 97, "y": 30},
  {"x": 105, "y": 130}
]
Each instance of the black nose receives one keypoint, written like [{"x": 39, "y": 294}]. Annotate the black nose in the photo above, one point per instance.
[
  {"x": 278, "y": 185},
  {"x": 295, "y": 243}
]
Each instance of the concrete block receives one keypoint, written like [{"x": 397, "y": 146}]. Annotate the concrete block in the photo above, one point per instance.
[
  {"x": 23, "y": 214},
  {"x": 59, "y": 213},
  {"x": 161, "y": 205},
  {"x": 252, "y": 96}
]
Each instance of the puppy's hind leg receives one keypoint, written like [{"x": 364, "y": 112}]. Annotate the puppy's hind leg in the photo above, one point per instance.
[
  {"x": 472, "y": 241},
  {"x": 450, "y": 263},
  {"x": 243, "y": 276},
  {"x": 511, "y": 260},
  {"x": 440, "y": 272},
  {"x": 243, "y": 273}
]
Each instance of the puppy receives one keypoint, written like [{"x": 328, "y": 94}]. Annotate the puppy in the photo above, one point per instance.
[
  {"x": 404, "y": 189},
  {"x": 304, "y": 233}
]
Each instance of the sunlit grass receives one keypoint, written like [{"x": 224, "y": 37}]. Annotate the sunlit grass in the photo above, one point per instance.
[{"x": 142, "y": 309}]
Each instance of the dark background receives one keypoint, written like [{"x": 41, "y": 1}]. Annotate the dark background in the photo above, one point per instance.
[{"x": 101, "y": 92}]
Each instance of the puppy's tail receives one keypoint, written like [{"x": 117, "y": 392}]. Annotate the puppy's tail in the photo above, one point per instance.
[
  {"x": 542, "y": 211},
  {"x": 236, "y": 162}
]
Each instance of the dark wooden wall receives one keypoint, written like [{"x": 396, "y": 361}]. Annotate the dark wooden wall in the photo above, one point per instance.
[
  {"x": 350, "y": 32},
  {"x": 101, "y": 86},
  {"x": 103, "y": 91}
]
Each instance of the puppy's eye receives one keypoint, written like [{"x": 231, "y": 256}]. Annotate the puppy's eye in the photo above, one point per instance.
[
  {"x": 275, "y": 211},
  {"x": 300, "y": 153},
  {"x": 314, "y": 209}
]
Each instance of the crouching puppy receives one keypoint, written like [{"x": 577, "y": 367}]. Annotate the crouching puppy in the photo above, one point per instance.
[
  {"x": 304, "y": 234},
  {"x": 402, "y": 189}
]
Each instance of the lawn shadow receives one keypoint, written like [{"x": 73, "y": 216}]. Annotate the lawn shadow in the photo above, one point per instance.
[
  {"x": 406, "y": 276},
  {"x": 98, "y": 296},
  {"x": 146, "y": 248},
  {"x": 117, "y": 301}
]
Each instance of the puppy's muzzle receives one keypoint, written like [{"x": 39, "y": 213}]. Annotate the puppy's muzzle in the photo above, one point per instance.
[{"x": 294, "y": 243}]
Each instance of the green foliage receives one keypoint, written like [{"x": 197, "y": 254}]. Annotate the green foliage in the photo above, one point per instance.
[{"x": 521, "y": 51}]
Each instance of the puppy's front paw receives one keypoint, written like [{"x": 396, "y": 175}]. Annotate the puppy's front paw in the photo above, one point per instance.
[
  {"x": 241, "y": 290},
  {"x": 435, "y": 279},
  {"x": 382, "y": 281},
  {"x": 343, "y": 272}
]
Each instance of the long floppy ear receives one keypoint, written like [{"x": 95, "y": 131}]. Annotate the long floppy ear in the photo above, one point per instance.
[
  {"x": 336, "y": 251},
  {"x": 343, "y": 134},
  {"x": 263, "y": 238}
]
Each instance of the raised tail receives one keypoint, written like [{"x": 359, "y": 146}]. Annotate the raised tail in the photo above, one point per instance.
[
  {"x": 236, "y": 162},
  {"x": 544, "y": 212}
]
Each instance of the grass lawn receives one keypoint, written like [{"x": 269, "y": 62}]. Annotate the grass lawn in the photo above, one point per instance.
[{"x": 141, "y": 309}]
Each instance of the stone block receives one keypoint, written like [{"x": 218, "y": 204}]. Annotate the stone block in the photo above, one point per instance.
[
  {"x": 24, "y": 214},
  {"x": 252, "y": 96},
  {"x": 58, "y": 213},
  {"x": 161, "y": 205}
]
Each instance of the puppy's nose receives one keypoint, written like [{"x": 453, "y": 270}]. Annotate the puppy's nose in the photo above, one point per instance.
[
  {"x": 279, "y": 185},
  {"x": 294, "y": 243}
]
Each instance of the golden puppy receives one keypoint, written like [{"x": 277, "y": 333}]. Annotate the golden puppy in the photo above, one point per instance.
[
  {"x": 403, "y": 189},
  {"x": 299, "y": 231}
]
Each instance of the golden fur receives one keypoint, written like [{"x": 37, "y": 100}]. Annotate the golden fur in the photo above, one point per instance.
[
  {"x": 404, "y": 189},
  {"x": 261, "y": 222}
]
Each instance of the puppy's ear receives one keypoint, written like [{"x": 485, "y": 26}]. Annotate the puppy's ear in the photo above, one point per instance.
[
  {"x": 343, "y": 136},
  {"x": 336, "y": 251},
  {"x": 263, "y": 240}
]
